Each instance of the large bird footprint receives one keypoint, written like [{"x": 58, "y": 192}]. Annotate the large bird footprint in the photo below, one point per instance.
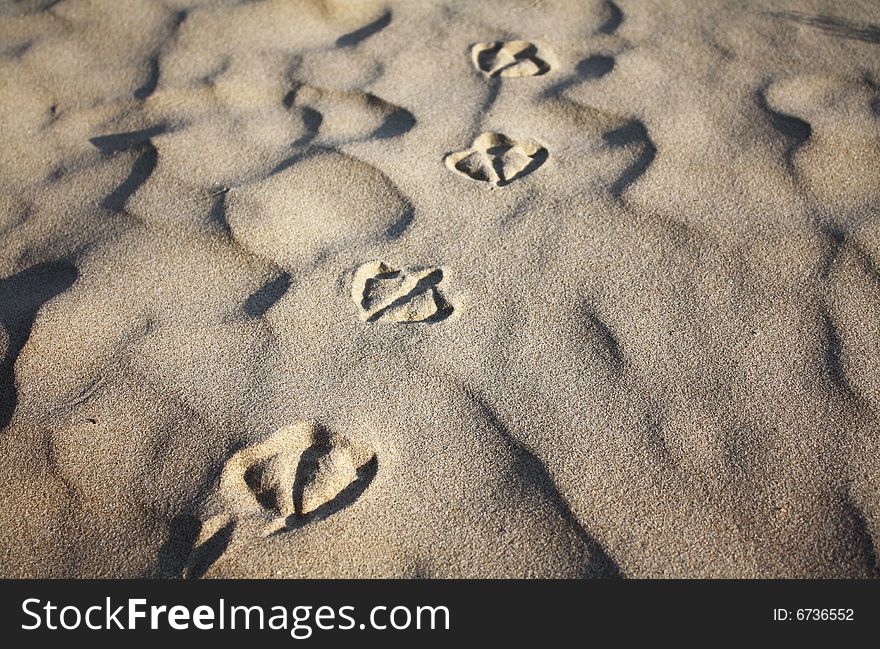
[
  {"x": 511, "y": 59},
  {"x": 386, "y": 294},
  {"x": 301, "y": 474}
]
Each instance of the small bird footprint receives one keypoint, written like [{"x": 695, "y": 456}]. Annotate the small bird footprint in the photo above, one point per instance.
[{"x": 511, "y": 59}]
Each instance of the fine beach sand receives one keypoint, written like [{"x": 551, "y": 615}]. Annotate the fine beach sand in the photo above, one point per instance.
[{"x": 439, "y": 288}]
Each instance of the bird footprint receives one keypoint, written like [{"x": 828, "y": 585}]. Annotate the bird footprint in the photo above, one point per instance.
[
  {"x": 301, "y": 471},
  {"x": 386, "y": 294},
  {"x": 498, "y": 159},
  {"x": 301, "y": 474},
  {"x": 511, "y": 59}
]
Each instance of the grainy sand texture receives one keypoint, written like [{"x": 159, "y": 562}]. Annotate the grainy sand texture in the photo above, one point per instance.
[{"x": 541, "y": 288}]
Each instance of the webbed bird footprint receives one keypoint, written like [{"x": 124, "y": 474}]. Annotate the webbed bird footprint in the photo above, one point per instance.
[
  {"x": 301, "y": 471},
  {"x": 497, "y": 159},
  {"x": 302, "y": 474},
  {"x": 512, "y": 59},
  {"x": 386, "y": 294}
]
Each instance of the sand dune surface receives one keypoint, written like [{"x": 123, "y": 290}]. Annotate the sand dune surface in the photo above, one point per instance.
[{"x": 299, "y": 288}]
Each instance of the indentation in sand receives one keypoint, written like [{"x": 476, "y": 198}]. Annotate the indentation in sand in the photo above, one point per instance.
[
  {"x": 512, "y": 59},
  {"x": 300, "y": 473},
  {"x": 355, "y": 37},
  {"x": 22, "y": 295},
  {"x": 819, "y": 116},
  {"x": 213, "y": 539},
  {"x": 498, "y": 159},
  {"x": 387, "y": 294},
  {"x": 632, "y": 134}
]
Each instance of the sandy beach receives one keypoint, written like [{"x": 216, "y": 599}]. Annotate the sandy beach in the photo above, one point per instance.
[{"x": 439, "y": 288}]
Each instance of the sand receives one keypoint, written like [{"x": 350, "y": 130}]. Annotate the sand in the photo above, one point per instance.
[{"x": 439, "y": 289}]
